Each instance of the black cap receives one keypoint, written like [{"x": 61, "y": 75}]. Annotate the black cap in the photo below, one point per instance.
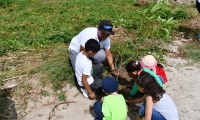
[{"x": 106, "y": 27}]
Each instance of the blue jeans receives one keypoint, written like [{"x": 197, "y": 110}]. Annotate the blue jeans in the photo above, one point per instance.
[
  {"x": 155, "y": 114},
  {"x": 97, "y": 109}
]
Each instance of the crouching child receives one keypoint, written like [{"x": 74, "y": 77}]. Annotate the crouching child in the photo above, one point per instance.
[{"x": 112, "y": 106}]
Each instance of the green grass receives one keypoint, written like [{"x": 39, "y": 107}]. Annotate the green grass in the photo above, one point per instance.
[
  {"x": 32, "y": 23},
  {"x": 44, "y": 28},
  {"x": 192, "y": 51},
  {"x": 55, "y": 66}
]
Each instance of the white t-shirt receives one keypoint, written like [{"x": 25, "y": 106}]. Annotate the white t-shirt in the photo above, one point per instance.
[
  {"x": 84, "y": 36},
  {"x": 199, "y": 1},
  {"x": 83, "y": 65},
  {"x": 167, "y": 108}
]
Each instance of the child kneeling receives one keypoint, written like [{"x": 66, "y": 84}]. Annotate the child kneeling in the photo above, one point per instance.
[
  {"x": 158, "y": 105},
  {"x": 112, "y": 106},
  {"x": 88, "y": 75}
]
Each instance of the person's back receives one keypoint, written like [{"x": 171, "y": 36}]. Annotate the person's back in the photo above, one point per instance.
[
  {"x": 82, "y": 37},
  {"x": 167, "y": 108},
  {"x": 83, "y": 66},
  {"x": 83, "y": 69},
  {"x": 158, "y": 105},
  {"x": 114, "y": 107}
]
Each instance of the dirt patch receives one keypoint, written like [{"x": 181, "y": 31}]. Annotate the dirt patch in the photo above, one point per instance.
[{"x": 120, "y": 34}]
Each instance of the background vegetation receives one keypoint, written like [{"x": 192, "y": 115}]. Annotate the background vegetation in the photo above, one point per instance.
[{"x": 39, "y": 31}]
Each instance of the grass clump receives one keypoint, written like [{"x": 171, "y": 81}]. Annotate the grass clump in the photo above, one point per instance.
[
  {"x": 55, "y": 67},
  {"x": 192, "y": 50}
]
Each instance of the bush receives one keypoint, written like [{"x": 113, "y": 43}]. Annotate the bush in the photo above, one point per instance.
[{"x": 180, "y": 14}]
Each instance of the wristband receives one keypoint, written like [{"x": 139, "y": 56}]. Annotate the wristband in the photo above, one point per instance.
[{"x": 113, "y": 70}]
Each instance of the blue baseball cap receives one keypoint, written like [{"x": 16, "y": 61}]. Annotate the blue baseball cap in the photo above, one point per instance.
[
  {"x": 110, "y": 85},
  {"x": 106, "y": 27}
]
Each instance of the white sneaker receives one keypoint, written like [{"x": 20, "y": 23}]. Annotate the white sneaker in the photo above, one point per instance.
[
  {"x": 85, "y": 92},
  {"x": 139, "y": 104}
]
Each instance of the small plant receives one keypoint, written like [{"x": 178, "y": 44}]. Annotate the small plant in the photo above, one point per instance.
[
  {"x": 151, "y": 32},
  {"x": 45, "y": 93},
  {"x": 151, "y": 25},
  {"x": 192, "y": 50},
  {"x": 180, "y": 14},
  {"x": 61, "y": 96},
  {"x": 55, "y": 67}
]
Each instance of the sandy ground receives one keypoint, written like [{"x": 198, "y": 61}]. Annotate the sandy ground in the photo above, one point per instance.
[{"x": 183, "y": 86}]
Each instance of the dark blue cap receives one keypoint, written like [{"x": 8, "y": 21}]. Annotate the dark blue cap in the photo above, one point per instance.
[{"x": 110, "y": 85}]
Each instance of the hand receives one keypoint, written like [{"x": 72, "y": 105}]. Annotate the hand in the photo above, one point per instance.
[
  {"x": 92, "y": 95},
  {"x": 114, "y": 72},
  {"x": 126, "y": 91},
  {"x": 128, "y": 87},
  {"x": 127, "y": 101}
]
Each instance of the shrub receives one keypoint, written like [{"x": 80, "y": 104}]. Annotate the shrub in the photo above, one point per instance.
[{"x": 180, "y": 14}]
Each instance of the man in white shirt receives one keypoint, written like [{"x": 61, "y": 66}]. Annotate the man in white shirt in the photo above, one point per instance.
[
  {"x": 88, "y": 76},
  {"x": 100, "y": 34}
]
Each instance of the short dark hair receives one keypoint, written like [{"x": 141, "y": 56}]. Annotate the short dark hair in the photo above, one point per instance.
[
  {"x": 133, "y": 66},
  {"x": 92, "y": 45}
]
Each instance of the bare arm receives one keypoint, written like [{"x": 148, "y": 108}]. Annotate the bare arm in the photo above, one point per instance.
[
  {"x": 82, "y": 48},
  {"x": 149, "y": 108},
  {"x": 138, "y": 100},
  {"x": 87, "y": 87},
  {"x": 110, "y": 59}
]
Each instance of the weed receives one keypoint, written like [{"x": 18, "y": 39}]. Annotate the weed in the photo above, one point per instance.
[
  {"x": 61, "y": 96},
  {"x": 151, "y": 32},
  {"x": 192, "y": 50},
  {"x": 180, "y": 14},
  {"x": 55, "y": 66},
  {"x": 45, "y": 93},
  {"x": 134, "y": 50}
]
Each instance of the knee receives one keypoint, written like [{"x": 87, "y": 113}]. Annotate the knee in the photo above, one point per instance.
[
  {"x": 101, "y": 66},
  {"x": 97, "y": 105},
  {"x": 100, "y": 56}
]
